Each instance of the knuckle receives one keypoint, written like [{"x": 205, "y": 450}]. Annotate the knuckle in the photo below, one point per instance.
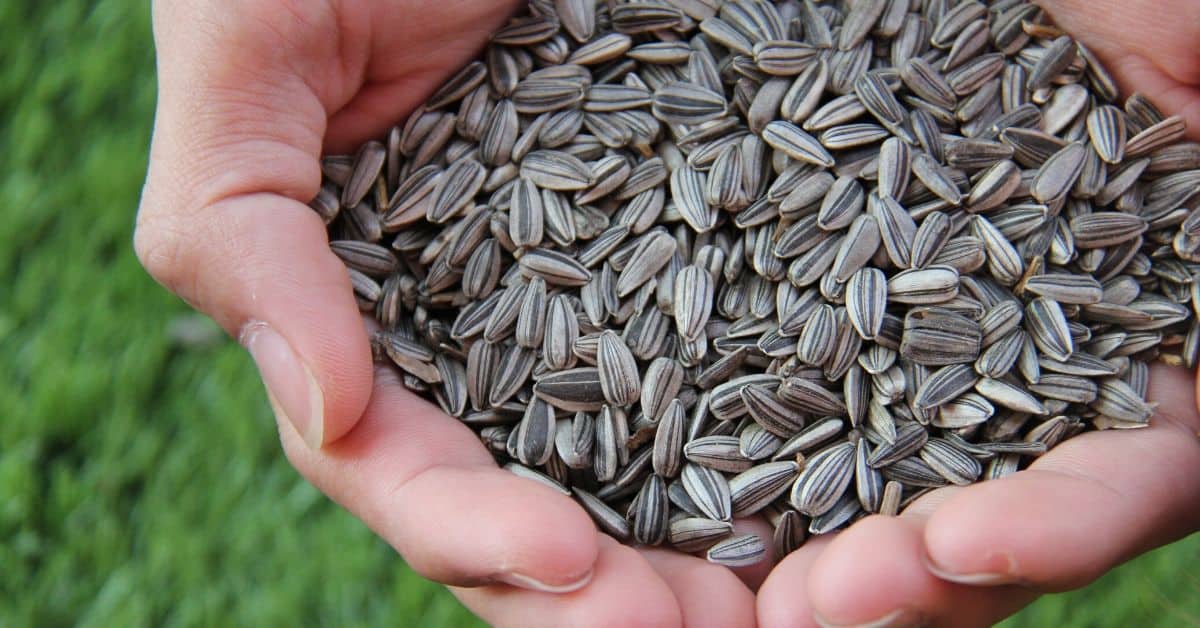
[{"x": 161, "y": 250}]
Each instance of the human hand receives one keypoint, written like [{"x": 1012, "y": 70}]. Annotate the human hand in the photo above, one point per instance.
[
  {"x": 970, "y": 556},
  {"x": 974, "y": 555},
  {"x": 251, "y": 93}
]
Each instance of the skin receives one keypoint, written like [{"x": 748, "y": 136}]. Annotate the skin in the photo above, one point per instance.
[{"x": 252, "y": 92}]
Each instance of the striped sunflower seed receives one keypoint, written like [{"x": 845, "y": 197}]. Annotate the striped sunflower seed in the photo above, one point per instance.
[
  {"x": 824, "y": 480},
  {"x": 738, "y": 551}
]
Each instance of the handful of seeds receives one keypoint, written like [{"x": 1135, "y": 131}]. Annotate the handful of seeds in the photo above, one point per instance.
[{"x": 690, "y": 260}]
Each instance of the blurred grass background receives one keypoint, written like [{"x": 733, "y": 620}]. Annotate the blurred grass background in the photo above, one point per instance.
[{"x": 141, "y": 482}]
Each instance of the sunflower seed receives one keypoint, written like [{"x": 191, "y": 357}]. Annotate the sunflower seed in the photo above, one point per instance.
[
  {"x": 668, "y": 441},
  {"x": 535, "y": 434},
  {"x": 1118, "y": 401},
  {"x": 795, "y": 143},
  {"x": 1105, "y": 229},
  {"x": 1003, "y": 261},
  {"x": 651, "y": 512},
  {"x": 608, "y": 520},
  {"x": 866, "y": 300},
  {"x": 909, "y": 439},
  {"x": 709, "y": 491},
  {"x": 738, "y": 551},
  {"x": 950, "y": 462},
  {"x": 685, "y": 103},
  {"x": 939, "y": 336},
  {"x": 555, "y": 268},
  {"x": 717, "y": 452},
  {"x": 823, "y": 480},
  {"x": 1069, "y": 388},
  {"x": 455, "y": 189},
  {"x": 697, "y": 534},
  {"x": 572, "y": 389},
  {"x": 1009, "y": 396},
  {"x": 618, "y": 372},
  {"x": 770, "y": 411},
  {"x": 945, "y": 384},
  {"x": 369, "y": 259},
  {"x": 368, "y": 163},
  {"x": 756, "y": 443},
  {"x": 934, "y": 284},
  {"x": 1047, "y": 327}
]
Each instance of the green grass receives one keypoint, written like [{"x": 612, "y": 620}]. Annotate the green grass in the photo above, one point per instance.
[{"x": 141, "y": 482}]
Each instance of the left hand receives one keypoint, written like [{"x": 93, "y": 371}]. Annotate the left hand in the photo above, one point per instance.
[
  {"x": 975, "y": 555},
  {"x": 971, "y": 556}
]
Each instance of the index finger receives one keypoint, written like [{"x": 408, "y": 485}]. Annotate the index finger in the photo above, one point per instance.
[{"x": 1090, "y": 504}]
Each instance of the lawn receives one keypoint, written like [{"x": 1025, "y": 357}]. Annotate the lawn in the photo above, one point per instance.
[{"x": 141, "y": 482}]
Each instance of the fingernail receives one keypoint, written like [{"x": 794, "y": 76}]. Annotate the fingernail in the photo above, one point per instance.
[
  {"x": 980, "y": 578},
  {"x": 899, "y": 618},
  {"x": 291, "y": 387},
  {"x": 533, "y": 584}
]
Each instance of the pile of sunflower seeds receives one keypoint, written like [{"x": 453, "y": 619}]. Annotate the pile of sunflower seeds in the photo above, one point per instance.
[{"x": 691, "y": 260}]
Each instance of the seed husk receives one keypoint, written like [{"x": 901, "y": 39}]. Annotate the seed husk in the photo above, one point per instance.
[
  {"x": 753, "y": 489},
  {"x": 650, "y": 518},
  {"x": 866, "y": 301},
  {"x": 839, "y": 515},
  {"x": 952, "y": 463},
  {"x": 718, "y": 452},
  {"x": 944, "y": 385},
  {"x": 685, "y": 103},
  {"x": 619, "y": 379},
  {"x": 709, "y": 490},
  {"x": 608, "y": 520},
  {"x": 797, "y": 144},
  {"x": 926, "y": 286},
  {"x": 697, "y": 534},
  {"x": 1047, "y": 327},
  {"x": 554, "y": 267},
  {"x": 368, "y": 163},
  {"x": 739, "y": 551},
  {"x": 937, "y": 336},
  {"x": 824, "y": 480}
]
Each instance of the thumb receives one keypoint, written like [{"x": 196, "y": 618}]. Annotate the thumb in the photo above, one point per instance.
[{"x": 223, "y": 220}]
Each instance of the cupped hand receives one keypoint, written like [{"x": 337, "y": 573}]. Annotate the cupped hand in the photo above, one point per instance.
[
  {"x": 251, "y": 93},
  {"x": 972, "y": 556}
]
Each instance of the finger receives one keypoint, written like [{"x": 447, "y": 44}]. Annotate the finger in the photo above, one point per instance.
[
  {"x": 624, "y": 591},
  {"x": 783, "y": 600},
  {"x": 1152, "y": 52},
  {"x": 425, "y": 484},
  {"x": 412, "y": 52},
  {"x": 1093, "y": 502},
  {"x": 223, "y": 222},
  {"x": 707, "y": 594},
  {"x": 1116, "y": 28},
  {"x": 873, "y": 574},
  {"x": 1137, "y": 73}
]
